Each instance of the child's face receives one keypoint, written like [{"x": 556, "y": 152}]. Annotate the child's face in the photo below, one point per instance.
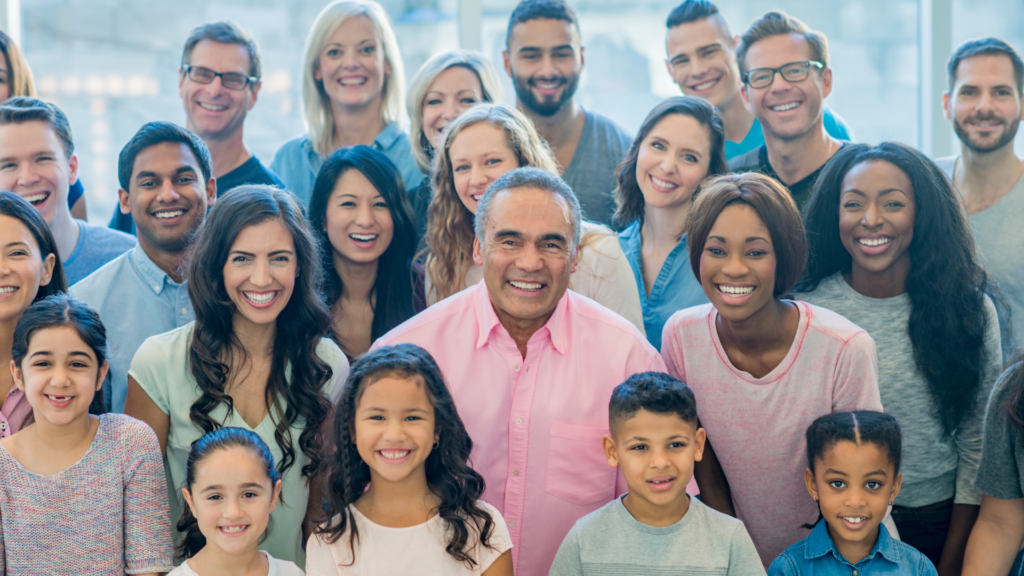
[
  {"x": 854, "y": 485},
  {"x": 655, "y": 453},
  {"x": 59, "y": 375},
  {"x": 394, "y": 428},
  {"x": 232, "y": 499}
]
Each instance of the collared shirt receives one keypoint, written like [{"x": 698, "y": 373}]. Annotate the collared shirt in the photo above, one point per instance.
[
  {"x": 297, "y": 164},
  {"x": 817, "y": 555},
  {"x": 15, "y": 413},
  {"x": 537, "y": 422},
  {"x": 674, "y": 289},
  {"x": 135, "y": 300},
  {"x": 834, "y": 125}
]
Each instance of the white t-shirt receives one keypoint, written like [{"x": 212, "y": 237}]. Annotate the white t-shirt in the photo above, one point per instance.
[
  {"x": 383, "y": 551},
  {"x": 277, "y": 568}
]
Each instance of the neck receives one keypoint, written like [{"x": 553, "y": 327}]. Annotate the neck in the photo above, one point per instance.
[
  {"x": 664, "y": 226},
  {"x": 987, "y": 174},
  {"x": 215, "y": 560},
  {"x": 760, "y": 332},
  {"x": 61, "y": 438},
  {"x": 557, "y": 129},
  {"x": 227, "y": 151},
  {"x": 408, "y": 501},
  {"x": 356, "y": 126},
  {"x": 854, "y": 551},
  {"x": 795, "y": 159},
  {"x": 658, "y": 516},
  {"x": 737, "y": 119},
  {"x": 357, "y": 278},
  {"x": 521, "y": 329},
  {"x": 256, "y": 339},
  {"x": 888, "y": 283},
  {"x": 172, "y": 263},
  {"x": 65, "y": 232}
]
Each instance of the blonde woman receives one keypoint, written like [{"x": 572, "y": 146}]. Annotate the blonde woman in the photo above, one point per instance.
[
  {"x": 353, "y": 87},
  {"x": 478, "y": 147}
]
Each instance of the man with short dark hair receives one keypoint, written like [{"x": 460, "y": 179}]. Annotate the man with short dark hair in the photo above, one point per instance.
[
  {"x": 38, "y": 162},
  {"x": 167, "y": 184},
  {"x": 544, "y": 57},
  {"x": 701, "y": 59}
]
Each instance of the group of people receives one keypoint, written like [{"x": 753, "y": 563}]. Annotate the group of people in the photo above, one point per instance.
[{"x": 431, "y": 352}]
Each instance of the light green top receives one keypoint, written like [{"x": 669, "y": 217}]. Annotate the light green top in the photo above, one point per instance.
[{"x": 161, "y": 369}]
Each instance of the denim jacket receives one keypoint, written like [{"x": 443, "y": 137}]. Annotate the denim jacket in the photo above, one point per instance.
[{"x": 817, "y": 555}]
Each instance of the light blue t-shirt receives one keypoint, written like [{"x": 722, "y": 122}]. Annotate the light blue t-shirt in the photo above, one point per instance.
[
  {"x": 297, "y": 164},
  {"x": 96, "y": 246},
  {"x": 834, "y": 125},
  {"x": 136, "y": 300},
  {"x": 674, "y": 289},
  {"x": 817, "y": 555}
]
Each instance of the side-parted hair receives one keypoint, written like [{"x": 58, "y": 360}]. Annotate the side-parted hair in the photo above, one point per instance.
[
  {"x": 57, "y": 311},
  {"x": 629, "y": 198},
  {"x": 772, "y": 203},
  {"x": 778, "y": 23},
  {"x": 19, "y": 74},
  {"x": 319, "y": 115},
  {"x": 986, "y": 47},
  {"x": 448, "y": 471},
  {"x": 393, "y": 286},
  {"x": 490, "y": 89},
  {"x": 860, "y": 427},
  {"x": 14, "y": 206},
  {"x": 21, "y": 109},
  {"x": 536, "y": 178},
  {"x": 695, "y": 10},
  {"x": 224, "y": 32},
  {"x": 947, "y": 322},
  {"x": 540, "y": 9},
  {"x": 300, "y": 325},
  {"x": 153, "y": 133},
  {"x": 207, "y": 445},
  {"x": 655, "y": 392}
]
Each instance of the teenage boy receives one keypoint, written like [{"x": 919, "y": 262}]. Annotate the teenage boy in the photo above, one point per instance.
[
  {"x": 544, "y": 57},
  {"x": 656, "y": 527},
  {"x": 166, "y": 181},
  {"x": 985, "y": 102},
  {"x": 38, "y": 163},
  {"x": 701, "y": 59},
  {"x": 786, "y": 78}
]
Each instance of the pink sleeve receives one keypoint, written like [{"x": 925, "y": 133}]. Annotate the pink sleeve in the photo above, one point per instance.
[
  {"x": 856, "y": 378},
  {"x": 672, "y": 352}
]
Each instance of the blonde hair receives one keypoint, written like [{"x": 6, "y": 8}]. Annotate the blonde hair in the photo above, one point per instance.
[
  {"x": 19, "y": 75},
  {"x": 490, "y": 88},
  {"x": 318, "y": 111}
]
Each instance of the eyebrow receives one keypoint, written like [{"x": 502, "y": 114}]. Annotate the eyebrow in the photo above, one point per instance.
[
  {"x": 539, "y": 49},
  {"x": 748, "y": 240},
  {"x": 72, "y": 353},
  {"x": 274, "y": 253},
  {"x": 151, "y": 174},
  {"x": 17, "y": 243},
  {"x": 882, "y": 193},
  {"x": 247, "y": 485}
]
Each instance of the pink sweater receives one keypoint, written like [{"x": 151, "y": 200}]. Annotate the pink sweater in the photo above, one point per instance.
[{"x": 757, "y": 425}]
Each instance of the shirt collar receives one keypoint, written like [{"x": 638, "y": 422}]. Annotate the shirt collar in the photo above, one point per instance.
[
  {"x": 387, "y": 136},
  {"x": 487, "y": 319},
  {"x": 819, "y": 543},
  {"x": 151, "y": 274}
]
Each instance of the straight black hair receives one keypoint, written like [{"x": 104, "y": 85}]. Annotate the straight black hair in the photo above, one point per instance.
[
  {"x": 14, "y": 206},
  {"x": 153, "y": 133},
  {"x": 860, "y": 427},
  {"x": 694, "y": 10},
  {"x": 986, "y": 47},
  {"x": 655, "y": 392},
  {"x": 540, "y": 9}
]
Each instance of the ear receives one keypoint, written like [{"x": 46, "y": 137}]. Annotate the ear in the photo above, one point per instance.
[
  {"x": 255, "y": 93},
  {"x": 582, "y": 57},
  {"x": 608, "y": 444},
  {"x": 812, "y": 489},
  {"x": 896, "y": 485},
  {"x": 16, "y": 374},
  {"x": 188, "y": 501},
  {"x": 211, "y": 191},
  {"x": 508, "y": 62},
  {"x": 48, "y": 264},
  {"x": 745, "y": 97},
  {"x": 275, "y": 495},
  {"x": 945, "y": 105},
  {"x": 826, "y": 82},
  {"x": 102, "y": 375},
  {"x": 668, "y": 67},
  {"x": 317, "y": 74},
  {"x": 72, "y": 170},
  {"x": 478, "y": 256},
  {"x": 735, "y": 41},
  {"x": 575, "y": 261},
  {"x": 122, "y": 201},
  {"x": 699, "y": 439}
]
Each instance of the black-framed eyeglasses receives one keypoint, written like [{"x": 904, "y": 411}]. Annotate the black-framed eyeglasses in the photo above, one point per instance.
[
  {"x": 229, "y": 80},
  {"x": 792, "y": 72}
]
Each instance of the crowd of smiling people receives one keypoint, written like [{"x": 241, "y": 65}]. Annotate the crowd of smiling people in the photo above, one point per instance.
[{"x": 392, "y": 353}]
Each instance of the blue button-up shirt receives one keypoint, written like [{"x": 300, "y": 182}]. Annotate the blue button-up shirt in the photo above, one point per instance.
[
  {"x": 674, "y": 289},
  {"x": 297, "y": 164},
  {"x": 135, "y": 300},
  {"x": 817, "y": 555}
]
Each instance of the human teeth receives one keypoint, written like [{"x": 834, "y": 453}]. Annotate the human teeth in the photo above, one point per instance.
[
  {"x": 548, "y": 85},
  {"x": 874, "y": 241},
  {"x": 36, "y": 198},
  {"x": 853, "y": 520},
  {"x": 526, "y": 285},
  {"x": 212, "y": 107},
  {"x": 59, "y": 398},
  {"x": 257, "y": 298},
  {"x": 785, "y": 107},
  {"x": 352, "y": 81},
  {"x": 476, "y": 197},
  {"x": 363, "y": 237},
  {"x": 705, "y": 85},
  {"x": 394, "y": 454},
  {"x": 233, "y": 529},
  {"x": 662, "y": 183},
  {"x": 170, "y": 214},
  {"x": 7, "y": 289},
  {"x": 737, "y": 290}
]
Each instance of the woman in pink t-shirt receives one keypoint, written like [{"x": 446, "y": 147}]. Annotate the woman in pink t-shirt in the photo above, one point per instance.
[{"x": 762, "y": 368}]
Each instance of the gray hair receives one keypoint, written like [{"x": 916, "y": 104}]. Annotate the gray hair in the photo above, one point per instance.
[
  {"x": 530, "y": 177},
  {"x": 224, "y": 33}
]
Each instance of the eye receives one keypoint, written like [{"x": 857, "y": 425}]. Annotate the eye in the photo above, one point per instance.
[
  {"x": 639, "y": 447},
  {"x": 79, "y": 364},
  {"x": 757, "y": 253},
  {"x": 433, "y": 102},
  {"x": 895, "y": 204},
  {"x": 250, "y": 495},
  {"x": 45, "y": 158},
  {"x": 851, "y": 204},
  {"x": 690, "y": 158},
  {"x": 716, "y": 251},
  {"x": 186, "y": 180},
  {"x": 41, "y": 363},
  {"x": 369, "y": 49},
  {"x": 282, "y": 259},
  {"x": 837, "y": 484},
  {"x": 348, "y": 204},
  {"x": 658, "y": 146},
  {"x": 214, "y": 497},
  {"x": 412, "y": 418},
  {"x": 469, "y": 100},
  {"x": 377, "y": 417},
  {"x": 492, "y": 162},
  {"x": 19, "y": 253},
  {"x": 147, "y": 184},
  {"x": 333, "y": 52},
  {"x": 7, "y": 165},
  {"x": 380, "y": 204},
  {"x": 461, "y": 168},
  {"x": 873, "y": 485},
  {"x": 677, "y": 445},
  {"x": 239, "y": 259}
]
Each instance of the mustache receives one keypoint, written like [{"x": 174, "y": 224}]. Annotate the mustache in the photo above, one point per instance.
[
  {"x": 562, "y": 80},
  {"x": 985, "y": 117}
]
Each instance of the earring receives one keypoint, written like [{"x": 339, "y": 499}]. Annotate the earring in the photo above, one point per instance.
[
  {"x": 815, "y": 498},
  {"x": 436, "y": 443}
]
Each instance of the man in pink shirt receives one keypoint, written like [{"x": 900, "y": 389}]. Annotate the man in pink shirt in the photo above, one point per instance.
[{"x": 532, "y": 365}]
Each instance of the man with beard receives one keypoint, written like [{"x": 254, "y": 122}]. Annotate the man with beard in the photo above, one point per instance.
[
  {"x": 544, "y": 58},
  {"x": 985, "y": 103},
  {"x": 167, "y": 183}
]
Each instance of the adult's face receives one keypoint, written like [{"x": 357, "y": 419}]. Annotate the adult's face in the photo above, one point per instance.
[
  {"x": 544, "y": 60},
  {"x": 351, "y": 64},
  {"x": 259, "y": 276},
  {"x": 450, "y": 94},
  {"x": 479, "y": 155},
  {"x": 167, "y": 196},
  {"x": 34, "y": 166},
  {"x": 702, "y": 61},
  {"x": 23, "y": 270},
  {"x": 527, "y": 254},
  {"x": 211, "y": 110},
  {"x": 787, "y": 110},
  {"x": 358, "y": 219},
  {"x": 984, "y": 105},
  {"x": 737, "y": 267},
  {"x": 876, "y": 218},
  {"x": 672, "y": 161}
]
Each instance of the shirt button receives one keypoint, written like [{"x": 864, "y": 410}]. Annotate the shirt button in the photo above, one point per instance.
[
  {"x": 856, "y": 573},
  {"x": 516, "y": 367},
  {"x": 184, "y": 310},
  {"x": 511, "y": 523},
  {"x": 156, "y": 287},
  {"x": 519, "y": 420},
  {"x": 516, "y": 473},
  {"x": 3, "y": 426}
]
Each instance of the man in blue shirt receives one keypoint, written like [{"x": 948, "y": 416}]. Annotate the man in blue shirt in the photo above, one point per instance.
[{"x": 166, "y": 180}]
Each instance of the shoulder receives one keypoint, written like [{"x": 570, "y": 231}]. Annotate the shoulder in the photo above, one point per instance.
[
  {"x": 828, "y": 324},
  {"x": 714, "y": 519},
  {"x": 746, "y": 162},
  {"x": 101, "y": 279},
  {"x": 911, "y": 559},
  {"x": 170, "y": 347},
  {"x": 291, "y": 151},
  {"x": 789, "y": 562},
  {"x": 134, "y": 435},
  {"x": 329, "y": 352},
  {"x": 597, "y": 521},
  {"x": 608, "y": 131},
  {"x": 946, "y": 164},
  {"x": 597, "y": 319},
  {"x": 686, "y": 318},
  {"x": 280, "y": 567},
  {"x": 111, "y": 239},
  {"x": 1004, "y": 387}
]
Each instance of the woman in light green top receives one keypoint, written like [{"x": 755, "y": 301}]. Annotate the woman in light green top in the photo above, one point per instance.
[{"x": 254, "y": 358}]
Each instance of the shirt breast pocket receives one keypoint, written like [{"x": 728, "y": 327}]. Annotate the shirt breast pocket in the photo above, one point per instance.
[{"x": 577, "y": 468}]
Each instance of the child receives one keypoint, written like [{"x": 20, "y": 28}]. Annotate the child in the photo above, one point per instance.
[
  {"x": 853, "y": 474},
  {"x": 655, "y": 527},
  {"x": 232, "y": 487},
  {"x": 79, "y": 494},
  {"x": 401, "y": 497}
]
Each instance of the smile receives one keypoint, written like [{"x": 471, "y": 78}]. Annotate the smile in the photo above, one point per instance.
[
  {"x": 735, "y": 290},
  {"x": 363, "y": 237},
  {"x": 352, "y": 80},
  {"x": 37, "y": 199},
  {"x": 873, "y": 241},
  {"x": 261, "y": 299},
  {"x": 527, "y": 286},
  {"x": 59, "y": 401},
  {"x": 548, "y": 85},
  {"x": 854, "y": 519},
  {"x": 663, "y": 183},
  {"x": 705, "y": 85},
  {"x": 167, "y": 214},
  {"x": 236, "y": 529},
  {"x": 784, "y": 107},
  {"x": 8, "y": 289},
  {"x": 477, "y": 197},
  {"x": 211, "y": 107}
]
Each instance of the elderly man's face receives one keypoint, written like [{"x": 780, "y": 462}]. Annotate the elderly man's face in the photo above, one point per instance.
[{"x": 527, "y": 254}]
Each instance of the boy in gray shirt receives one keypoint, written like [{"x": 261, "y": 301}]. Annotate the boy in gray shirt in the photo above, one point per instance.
[{"x": 655, "y": 528}]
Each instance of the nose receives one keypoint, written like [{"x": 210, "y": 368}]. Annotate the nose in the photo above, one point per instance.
[
  {"x": 659, "y": 459},
  {"x": 364, "y": 216},
  {"x": 529, "y": 259},
  {"x": 872, "y": 217},
  {"x": 27, "y": 176},
  {"x": 59, "y": 378},
  {"x": 261, "y": 273},
  {"x": 478, "y": 177},
  {"x": 697, "y": 67},
  {"x": 548, "y": 69},
  {"x": 451, "y": 110},
  {"x": 233, "y": 509},
  {"x": 395, "y": 431},
  {"x": 214, "y": 88},
  {"x": 779, "y": 84},
  {"x": 734, "y": 266},
  {"x": 984, "y": 103},
  {"x": 668, "y": 164},
  {"x": 350, "y": 60},
  {"x": 167, "y": 193},
  {"x": 855, "y": 499}
]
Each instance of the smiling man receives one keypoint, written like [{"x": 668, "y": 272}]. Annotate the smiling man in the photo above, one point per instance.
[
  {"x": 544, "y": 57},
  {"x": 532, "y": 365},
  {"x": 786, "y": 78},
  {"x": 166, "y": 181}
]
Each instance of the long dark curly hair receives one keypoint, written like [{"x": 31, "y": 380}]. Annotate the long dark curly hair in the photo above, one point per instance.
[
  {"x": 946, "y": 283},
  {"x": 300, "y": 326},
  {"x": 448, "y": 472}
]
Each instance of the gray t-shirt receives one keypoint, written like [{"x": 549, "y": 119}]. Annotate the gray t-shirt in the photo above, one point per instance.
[
  {"x": 96, "y": 246},
  {"x": 999, "y": 233},
  {"x": 1001, "y": 474},
  {"x": 610, "y": 541},
  {"x": 591, "y": 172},
  {"x": 936, "y": 465}
]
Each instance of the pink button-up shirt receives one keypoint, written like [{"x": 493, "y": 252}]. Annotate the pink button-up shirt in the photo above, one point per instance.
[
  {"x": 15, "y": 412},
  {"x": 537, "y": 422}
]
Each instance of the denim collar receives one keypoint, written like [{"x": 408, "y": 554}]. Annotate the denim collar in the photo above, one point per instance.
[{"x": 819, "y": 543}]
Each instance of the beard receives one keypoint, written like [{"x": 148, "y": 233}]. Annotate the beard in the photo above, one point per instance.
[
  {"x": 545, "y": 106},
  {"x": 1007, "y": 137}
]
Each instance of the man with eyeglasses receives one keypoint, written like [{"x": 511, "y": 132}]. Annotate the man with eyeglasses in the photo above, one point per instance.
[
  {"x": 786, "y": 78},
  {"x": 219, "y": 81}
]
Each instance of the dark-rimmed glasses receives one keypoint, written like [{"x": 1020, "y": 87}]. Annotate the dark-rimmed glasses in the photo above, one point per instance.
[
  {"x": 792, "y": 73},
  {"x": 229, "y": 80}
]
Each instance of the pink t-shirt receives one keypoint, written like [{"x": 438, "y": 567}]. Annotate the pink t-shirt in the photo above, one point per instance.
[{"x": 757, "y": 426}]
